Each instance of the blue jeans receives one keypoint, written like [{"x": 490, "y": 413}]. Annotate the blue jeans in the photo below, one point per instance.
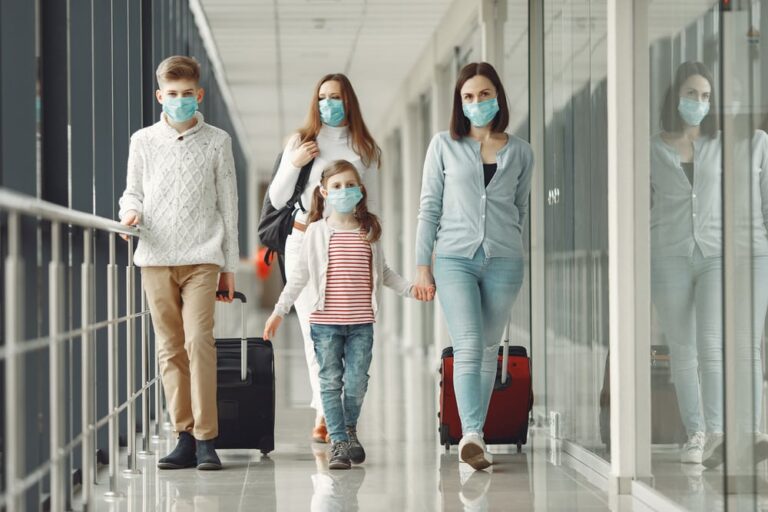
[
  {"x": 344, "y": 355},
  {"x": 476, "y": 296},
  {"x": 749, "y": 364},
  {"x": 687, "y": 293}
]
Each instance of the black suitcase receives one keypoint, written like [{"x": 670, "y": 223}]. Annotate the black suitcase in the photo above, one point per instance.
[{"x": 246, "y": 391}]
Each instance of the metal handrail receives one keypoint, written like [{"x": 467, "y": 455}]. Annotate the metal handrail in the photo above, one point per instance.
[
  {"x": 44, "y": 341},
  {"x": 17, "y": 205},
  {"x": 27, "y": 205}
]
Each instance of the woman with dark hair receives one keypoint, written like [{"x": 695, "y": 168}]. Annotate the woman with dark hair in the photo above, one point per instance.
[
  {"x": 686, "y": 253},
  {"x": 474, "y": 205},
  {"x": 334, "y": 130}
]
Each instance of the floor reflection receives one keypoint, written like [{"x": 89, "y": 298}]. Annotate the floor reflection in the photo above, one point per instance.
[{"x": 405, "y": 470}]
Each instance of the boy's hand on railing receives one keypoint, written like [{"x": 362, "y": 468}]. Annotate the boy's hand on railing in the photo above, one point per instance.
[
  {"x": 131, "y": 218},
  {"x": 226, "y": 284},
  {"x": 273, "y": 324}
]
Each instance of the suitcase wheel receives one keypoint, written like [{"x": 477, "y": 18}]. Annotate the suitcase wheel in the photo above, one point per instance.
[
  {"x": 447, "y": 447},
  {"x": 519, "y": 447}
]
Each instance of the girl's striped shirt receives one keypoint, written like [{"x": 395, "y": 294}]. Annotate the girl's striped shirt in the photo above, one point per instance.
[{"x": 349, "y": 285}]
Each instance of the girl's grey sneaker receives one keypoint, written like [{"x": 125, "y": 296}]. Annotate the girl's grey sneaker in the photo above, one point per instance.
[
  {"x": 356, "y": 451},
  {"x": 340, "y": 456},
  {"x": 693, "y": 449}
]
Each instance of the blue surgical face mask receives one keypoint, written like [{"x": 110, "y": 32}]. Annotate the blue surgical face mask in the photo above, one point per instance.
[
  {"x": 482, "y": 113},
  {"x": 344, "y": 200},
  {"x": 332, "y": 111},
  {"x": 693, "y": 112},
  {"x": 180, "y": 109}
]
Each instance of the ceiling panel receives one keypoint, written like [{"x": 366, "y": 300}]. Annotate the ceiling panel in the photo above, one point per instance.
[{"x": 294, "y": 42}]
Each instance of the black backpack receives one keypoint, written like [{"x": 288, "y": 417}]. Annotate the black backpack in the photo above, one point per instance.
[{"x": 275, "y": 225}]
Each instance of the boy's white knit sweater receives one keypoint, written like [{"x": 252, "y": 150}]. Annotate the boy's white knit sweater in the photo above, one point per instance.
[{"x": 183, "y": 186}]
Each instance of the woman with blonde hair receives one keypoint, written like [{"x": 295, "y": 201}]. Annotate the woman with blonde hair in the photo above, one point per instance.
[{"x": 334, "y": 130}]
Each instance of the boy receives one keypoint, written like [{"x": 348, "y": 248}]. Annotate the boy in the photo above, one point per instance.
[{"x": 181, "y": 190}]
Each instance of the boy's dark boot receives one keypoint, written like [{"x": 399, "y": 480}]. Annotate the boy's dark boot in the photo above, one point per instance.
[
  {"x": 206, "y": 456},
  {"x": 183, "y": 456}
]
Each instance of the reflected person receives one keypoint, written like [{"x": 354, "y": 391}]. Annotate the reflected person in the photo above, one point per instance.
[
  {"x": 750, "y": 161},
  {"x": 686, "y": 253}
]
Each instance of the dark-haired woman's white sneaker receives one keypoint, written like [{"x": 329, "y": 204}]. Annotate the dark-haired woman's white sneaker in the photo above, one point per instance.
[
  {"x": 712, "y": 455},
  {"x": 472, "y": 450},
  {"x": 693, "y": 449}
]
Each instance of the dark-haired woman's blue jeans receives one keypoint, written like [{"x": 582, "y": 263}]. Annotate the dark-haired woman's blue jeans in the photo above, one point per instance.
[{"x": 476, "y": 296}]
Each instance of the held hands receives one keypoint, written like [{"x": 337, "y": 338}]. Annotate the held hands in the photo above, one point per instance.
[
  {"x": 273, "y": 324},
  {"x": 227, "y": 284},
  {"x": 424, "y": 285},
  {"x": 131, "y": 219},
  {"x": 304, "y": 154}
]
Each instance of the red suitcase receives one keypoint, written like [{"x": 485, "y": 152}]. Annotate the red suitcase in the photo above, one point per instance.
[{"x": 511, "y": 401}]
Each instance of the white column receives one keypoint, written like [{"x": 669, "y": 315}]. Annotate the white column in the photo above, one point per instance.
[
  {"x": 493, "y": 14},
  {"x": 537, "y": 260},
  {"x": 628, "y": 231},
  {"x": 412, "y": 166},
  {"x": 389, "y": 204}
]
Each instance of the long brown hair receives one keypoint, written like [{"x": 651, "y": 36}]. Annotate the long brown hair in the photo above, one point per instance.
[
  {"x": 459, "y": 122},
  {"x": 368, "y": 221},
  {"x": 362, "y": 141}
]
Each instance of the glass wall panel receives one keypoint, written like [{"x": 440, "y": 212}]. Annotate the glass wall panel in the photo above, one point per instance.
[
  {"x": 576, "y": 223},
  {"x": 76, "y": 79},
  {"x": 709, "y": 252},
  {"x": 515, "y": 77}
]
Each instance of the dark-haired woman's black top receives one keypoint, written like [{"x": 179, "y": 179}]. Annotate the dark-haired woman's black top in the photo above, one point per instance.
[{"x": 489, "y": 170}]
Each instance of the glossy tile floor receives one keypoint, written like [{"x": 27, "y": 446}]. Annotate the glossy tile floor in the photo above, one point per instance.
[
  {"x": 697, "y": 488},
  {"x": 406, "y": 469}
]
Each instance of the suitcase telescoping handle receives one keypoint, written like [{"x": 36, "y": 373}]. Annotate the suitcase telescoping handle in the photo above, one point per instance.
[
  {"x": 505, "y": 355},
  {"x": 243, "y": 337}
]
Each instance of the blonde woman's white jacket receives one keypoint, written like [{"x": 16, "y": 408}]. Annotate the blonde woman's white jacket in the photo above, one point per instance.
[{"x": 311, "y": 272}]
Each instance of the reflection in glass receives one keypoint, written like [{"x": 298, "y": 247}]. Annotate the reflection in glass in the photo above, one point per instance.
[
  {"x": 749, "y": 166},
  {"x": 686, "y": 253}
]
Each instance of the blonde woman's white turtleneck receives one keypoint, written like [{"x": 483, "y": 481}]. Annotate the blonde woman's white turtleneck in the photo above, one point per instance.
[{"x": 334, "y": 144}]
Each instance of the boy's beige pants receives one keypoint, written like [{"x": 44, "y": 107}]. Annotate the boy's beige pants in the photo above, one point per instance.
[{"x": 182, "y": 300}]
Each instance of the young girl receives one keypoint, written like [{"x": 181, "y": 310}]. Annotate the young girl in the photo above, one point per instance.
[{"x": 342, "y": 265}]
